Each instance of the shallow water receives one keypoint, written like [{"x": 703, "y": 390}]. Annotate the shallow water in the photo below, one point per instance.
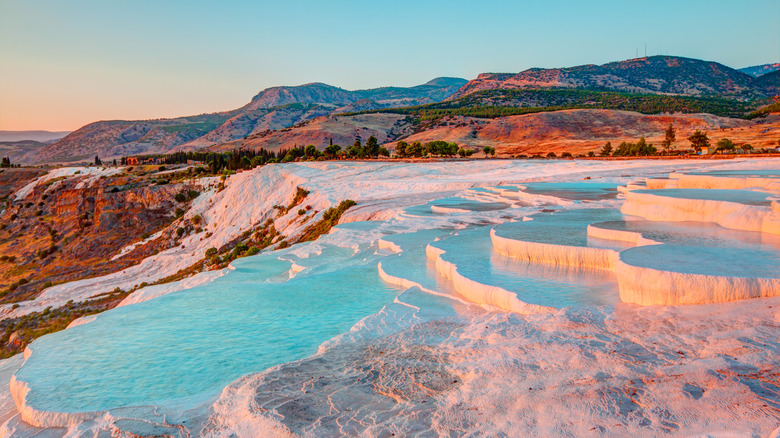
[
  {"x": 192, "y": 343},
  {"x": 564, "y": 227},
  {"x": 746, "y": 197},
  {"x": 547, "y": 285},
  {"x": 383, "y": 350},
  {"x": 575, "y": 191}
]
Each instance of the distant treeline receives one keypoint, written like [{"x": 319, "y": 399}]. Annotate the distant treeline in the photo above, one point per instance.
[
  {"x": 217, "y": 161},
  {"x": 502, "y": 103}
]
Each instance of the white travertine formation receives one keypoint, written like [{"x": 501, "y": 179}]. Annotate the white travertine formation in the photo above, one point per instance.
[
  {"x": 653, "y": 287},
  {"x": 479, "y": 293},
  {"x": 579, "y": 256},
  {"x": 727, "y": 214}
]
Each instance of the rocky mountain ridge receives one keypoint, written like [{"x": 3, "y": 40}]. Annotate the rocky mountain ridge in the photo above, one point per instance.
[
  {"x": 272, "y": 109},
  {"x": 760, "y": 70},
  {"x": 654, "y": 75}
]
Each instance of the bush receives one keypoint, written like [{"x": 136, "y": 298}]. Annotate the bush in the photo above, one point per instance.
[
  {"x": 211, "y": 252},
  {"x": 179, "y": 212},
  {"x": 145, "y": 236},
  {"x": 301, "y": 212},
  {"x": 566, "y": 155},
  {"x": 180, "y": 231},
  {"x": 252, "y": 251},
  {"x": 192, "y": 194},
  {"x": 196, "y": 220},
  {"x": 180, "y": 197},
  {"x": 551, "y": 155}
]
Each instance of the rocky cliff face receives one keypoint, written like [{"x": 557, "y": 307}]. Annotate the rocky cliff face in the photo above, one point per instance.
[{"x": 70, "y": 228}]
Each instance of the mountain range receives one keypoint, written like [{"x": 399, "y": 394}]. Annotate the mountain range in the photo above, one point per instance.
[
  {"x": 653, "y": 75},
  {"x": 320, "y": 112},
  {"x": 760, "y": 70},
  {"x": 271, "y": 109}
]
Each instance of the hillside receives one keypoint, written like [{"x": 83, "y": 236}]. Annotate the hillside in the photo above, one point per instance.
[
  {"x": 112, "y": 139},
  {"x": 760, "y": 70},
  {"x": 770, "y": 83},
  {"x": 507, "y": 102},
  {"x": 39, "y": 136},
  {"x": 583, "y": 130},
  {"x": 16, "y": 150},
  {"x": 271, "y": 109},
  {"x": 341, "y": 130},
  {"x": 655, "y": 74}
]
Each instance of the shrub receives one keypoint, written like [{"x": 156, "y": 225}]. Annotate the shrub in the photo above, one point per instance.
[
  {"x": 192, "y": 194},
  {"x": 551, "y": 155},
  {"x": 252, "y": 251},
  {"x": 566, "y": 155},
  {"x": 301, "y": 212},
  {"x": 196, "y": 220},
  {"x": 145, "y": 236},
  {"x": 211, "y": 251},
  {"x": 180, "y": 197},
  {"x": 180, "y": 231},
  {"x": 179, "y": 212}
]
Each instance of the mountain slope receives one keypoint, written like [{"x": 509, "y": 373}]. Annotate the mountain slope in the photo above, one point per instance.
[
  {"x": 271, "y": 109},
  {"x": 770, "y": 83},
  {"x": 116, "y": 138},
  {"x": 341, "y": 130},
  {"x": 39, "y": 136},
  {"x": 655, "y": 74},
  {"x": 582, "y": 130},
  {"x": 760, "y": 70}
]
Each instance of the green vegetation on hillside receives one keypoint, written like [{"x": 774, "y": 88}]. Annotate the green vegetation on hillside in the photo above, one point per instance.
[
  {"x": 763, "y": 111},
  {"x": 502, "y": 103}
]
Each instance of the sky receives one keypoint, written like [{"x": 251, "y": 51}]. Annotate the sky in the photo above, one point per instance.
[{"x": 64, "y": 64}]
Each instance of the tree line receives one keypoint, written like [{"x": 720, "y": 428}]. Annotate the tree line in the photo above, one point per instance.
[{"x": 699, "y": 141}]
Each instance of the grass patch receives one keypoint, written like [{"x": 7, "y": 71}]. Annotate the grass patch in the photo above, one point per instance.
[{"x": 330, "y": 218}]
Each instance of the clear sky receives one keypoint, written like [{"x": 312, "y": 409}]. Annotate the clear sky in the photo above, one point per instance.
[{"x": 67, "y": 63}]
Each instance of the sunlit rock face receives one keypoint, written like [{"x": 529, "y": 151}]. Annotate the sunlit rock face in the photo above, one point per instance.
[{"x": 481, "y": 299}]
